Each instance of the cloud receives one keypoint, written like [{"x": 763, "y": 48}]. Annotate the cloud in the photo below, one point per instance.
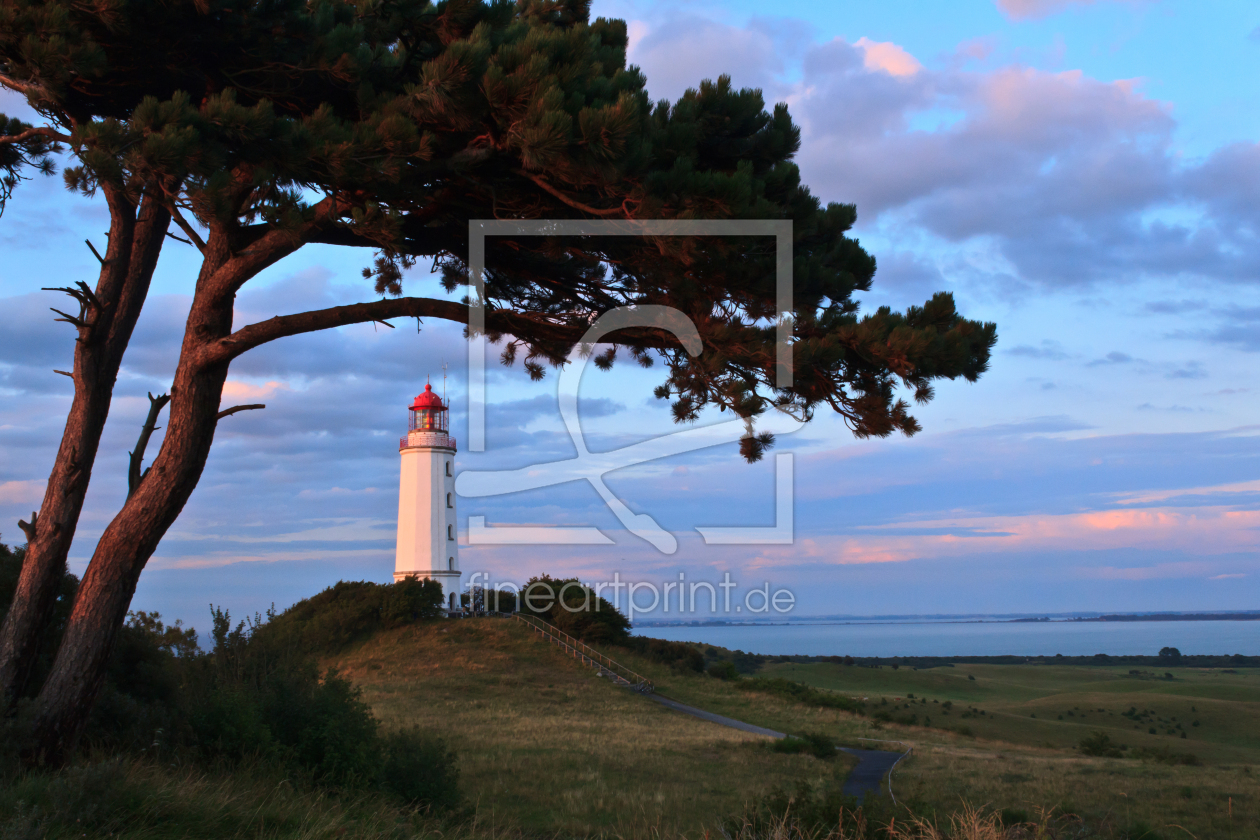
[
  {"x": 888, "y": 57},
  {"x": 235, "y": 390},
  {"x": 1049, "y": 349},
  {"x": 22, "y": 492},
  {"x": 1036, "y": 9},
  {"x": 1206, "y": 531},
  {"x": 747, "y": 54},
  {"x": 1113, "y": 358},
  {"x": 1014, "y": 176},
  {"x": 1143, "y": 497},
  {"x": 1190, "y": 370}
]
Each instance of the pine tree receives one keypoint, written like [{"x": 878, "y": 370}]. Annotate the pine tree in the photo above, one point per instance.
[{"x": 257, "y": 129}]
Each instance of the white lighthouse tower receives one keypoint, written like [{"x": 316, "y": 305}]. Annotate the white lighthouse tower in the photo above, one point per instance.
[{"x": 427, "y": 544}]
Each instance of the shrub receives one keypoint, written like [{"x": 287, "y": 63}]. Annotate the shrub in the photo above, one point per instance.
[
  {"x": 258, "y": 698},
  {"x": 574, "y": 608},
  {"x": 675, "y": 654},
  {"x": 816, "y": 744},
  {"x": 346, "y": 613},
  {"x": 1100, "y": 744},
  {"x": 420, "y": 769},
  {"x": 723, "y": 670}
]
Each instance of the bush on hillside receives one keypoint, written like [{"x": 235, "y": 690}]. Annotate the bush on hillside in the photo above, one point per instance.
[
  {"x": 723, "y": 670},
  {"x": 258, "y": 698},
  {"x": 349, "y": 612},
  {"x": 1099, "y": 744},
  {"x": 574, "y": 608},
  {"x": 816, "y": 744},
  {"x": 420, "y": 768},
  {"x": 678, "y": 655}
]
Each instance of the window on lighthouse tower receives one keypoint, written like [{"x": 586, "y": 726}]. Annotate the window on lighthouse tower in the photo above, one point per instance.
[
  {"x": 448, "y": 501},
  {"x": 450, "y": 564},
  {"x": 450, "y": 532}
]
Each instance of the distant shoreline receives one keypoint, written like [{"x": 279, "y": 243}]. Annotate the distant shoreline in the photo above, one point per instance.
[{"x": 827, "y": 621}]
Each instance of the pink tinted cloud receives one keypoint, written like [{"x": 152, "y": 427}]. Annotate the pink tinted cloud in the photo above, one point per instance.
[
  {"x": 22, "y": 492},
  {"x": 1203, "y": 531},
  {"x": 1036, "y": 9},
  {"x": 887, "y": 57}
]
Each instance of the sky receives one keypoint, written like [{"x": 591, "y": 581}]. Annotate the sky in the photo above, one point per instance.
[{"x": 1082, "y": 173}]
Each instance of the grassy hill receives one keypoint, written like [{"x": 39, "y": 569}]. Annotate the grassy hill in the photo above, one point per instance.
[{"x": 548, "y": 747}]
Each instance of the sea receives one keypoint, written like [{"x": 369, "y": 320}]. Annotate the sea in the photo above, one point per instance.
[{"x": 972, "y": 638}]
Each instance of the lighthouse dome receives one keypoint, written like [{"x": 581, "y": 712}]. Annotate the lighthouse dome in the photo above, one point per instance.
[{"x": 427, "y": 400}]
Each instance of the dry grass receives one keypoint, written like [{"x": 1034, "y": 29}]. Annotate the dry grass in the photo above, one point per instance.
[
  {"x": 547, "y": 746},
  {"x": 146, "y": 800},
  {"x": 969, "y": 823}
]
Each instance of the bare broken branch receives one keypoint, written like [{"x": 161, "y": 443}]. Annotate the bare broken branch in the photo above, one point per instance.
[
  {"x": 229, "y": 411},
  {"x": 134, "y": 475},
  {"x": 63, "y": 373},
  {"x": 95, "y": 253},
  {"x": 70, "y": 319},
  {"x": 28, "y": 528},
  {"x": 197, "y": 241}
]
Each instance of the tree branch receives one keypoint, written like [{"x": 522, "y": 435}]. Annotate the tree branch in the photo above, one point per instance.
[
  {"x": 95, "y": 253},
  {"x": 187, "y": 228},
  {"x": 576, "y": 205},
  {"x": 38, "y": 131},
  {"x": 134, "y": 475},
  {"x": 497, "y": 321},
  {"x": 282, "y": 326},
  {"x": 227, "y": 412},
  {"x": 20, "y": 87},
  {"x": 28, "y": 528}
]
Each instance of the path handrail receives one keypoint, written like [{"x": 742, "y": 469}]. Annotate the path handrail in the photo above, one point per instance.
[{"x": 588, "y": 654}]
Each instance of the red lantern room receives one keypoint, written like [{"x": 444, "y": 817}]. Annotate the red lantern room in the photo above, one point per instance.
[{"x": 427, "y": 413}]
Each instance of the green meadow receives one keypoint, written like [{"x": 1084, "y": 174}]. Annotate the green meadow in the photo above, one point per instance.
[{"x": 1218, "y": 712}]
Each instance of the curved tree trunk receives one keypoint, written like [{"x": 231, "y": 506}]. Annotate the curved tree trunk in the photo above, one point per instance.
[
  {"x": 104, "y": 595},
  {"x": 105, "y": 324}
]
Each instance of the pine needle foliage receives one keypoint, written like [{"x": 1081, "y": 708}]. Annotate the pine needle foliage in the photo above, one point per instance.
[{"x": 389, "y": 124}]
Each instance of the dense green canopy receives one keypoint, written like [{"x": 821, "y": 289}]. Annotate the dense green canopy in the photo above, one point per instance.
[{"x": 391, "y": 124}]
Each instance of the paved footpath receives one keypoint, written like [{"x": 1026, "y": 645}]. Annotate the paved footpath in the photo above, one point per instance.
[{"x": 866, "y": 777}]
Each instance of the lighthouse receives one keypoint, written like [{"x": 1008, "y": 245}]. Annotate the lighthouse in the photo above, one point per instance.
[{"x": 427, "y": 544}]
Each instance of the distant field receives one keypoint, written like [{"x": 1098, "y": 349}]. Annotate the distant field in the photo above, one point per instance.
[
  {"x": 1068, "y": 703},
  {"x": 546, "y": 747}
]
